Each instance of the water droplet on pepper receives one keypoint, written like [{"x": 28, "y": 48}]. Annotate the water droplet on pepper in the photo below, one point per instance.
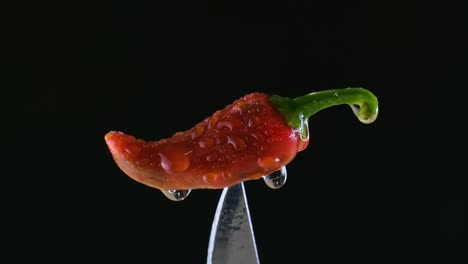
[
  {"x": 174, "y": 159},
  {"x": 198, "y": 131},
  {"x": 366, "y": 120},
  {"x": 239, "y": 107},
  {"x": 230, "y": 121},
  {"x": 269, "y": 132},
  {"x": 142, "y": 162},
  {"x": 254, "y": 120},
  {"x": 302, "y": 144},
  {"x": 221, "y": 140},
  {"x": 258, "y": 136},
  {"x": 303, "y": 141},
  {"x": 237, "y": 142},
  {"x": 178, "y": 134},
  {"x": 210, "y": 178},
  {"x": 176, "y": 195},
  {"x": 226, "y": 175},
  {"x": 268, "y": 162},
  {"x": 212, "y": 156},
  {"x": 132, "y": 150},
  {"x": 206, "y": 142},
  {"x": 213, "y": 121},
  {"x": 276, "y": 179}
]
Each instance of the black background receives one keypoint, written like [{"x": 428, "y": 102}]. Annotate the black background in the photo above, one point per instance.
[{"x": 389, "y": 191}]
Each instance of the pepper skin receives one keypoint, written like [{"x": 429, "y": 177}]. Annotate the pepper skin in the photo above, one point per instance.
[{"x": 252, "y": 137}]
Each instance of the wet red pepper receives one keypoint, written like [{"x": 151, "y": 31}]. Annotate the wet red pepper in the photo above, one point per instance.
[{"x": 252, "y": 137}]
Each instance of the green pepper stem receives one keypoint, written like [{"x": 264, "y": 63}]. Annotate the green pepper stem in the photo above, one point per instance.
[{"x": 297, "y": 111}]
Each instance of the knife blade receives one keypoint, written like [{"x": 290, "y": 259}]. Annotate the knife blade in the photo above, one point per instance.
[{"x": 232, "y": 239}]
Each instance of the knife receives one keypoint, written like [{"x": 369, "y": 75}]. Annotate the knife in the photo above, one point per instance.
[{"x": 232, "y": 239}]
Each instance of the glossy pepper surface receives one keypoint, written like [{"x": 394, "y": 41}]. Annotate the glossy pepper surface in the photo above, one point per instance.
[{"x": 250, "y": 138}]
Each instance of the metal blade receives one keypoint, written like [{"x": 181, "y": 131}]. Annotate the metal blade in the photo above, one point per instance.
[{"x": 232, "y": 238}]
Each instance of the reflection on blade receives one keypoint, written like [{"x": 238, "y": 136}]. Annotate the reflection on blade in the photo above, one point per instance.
[{"x": 232, "y": 239}]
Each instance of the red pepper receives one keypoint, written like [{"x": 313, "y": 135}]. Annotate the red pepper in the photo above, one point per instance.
[{"x": 254, "y": 136}]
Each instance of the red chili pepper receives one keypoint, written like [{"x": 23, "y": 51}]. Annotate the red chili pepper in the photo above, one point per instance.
[{"x": 254, "y": 136}]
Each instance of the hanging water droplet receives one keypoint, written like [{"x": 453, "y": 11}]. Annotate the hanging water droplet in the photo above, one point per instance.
[
  {"x": 305, "y": 130},
  {"x": 364, "y": 119},
  {"x": 176, "y": 195},
  {"x": 277, "y": 179},
  {"x": 356, "y": 109}
]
